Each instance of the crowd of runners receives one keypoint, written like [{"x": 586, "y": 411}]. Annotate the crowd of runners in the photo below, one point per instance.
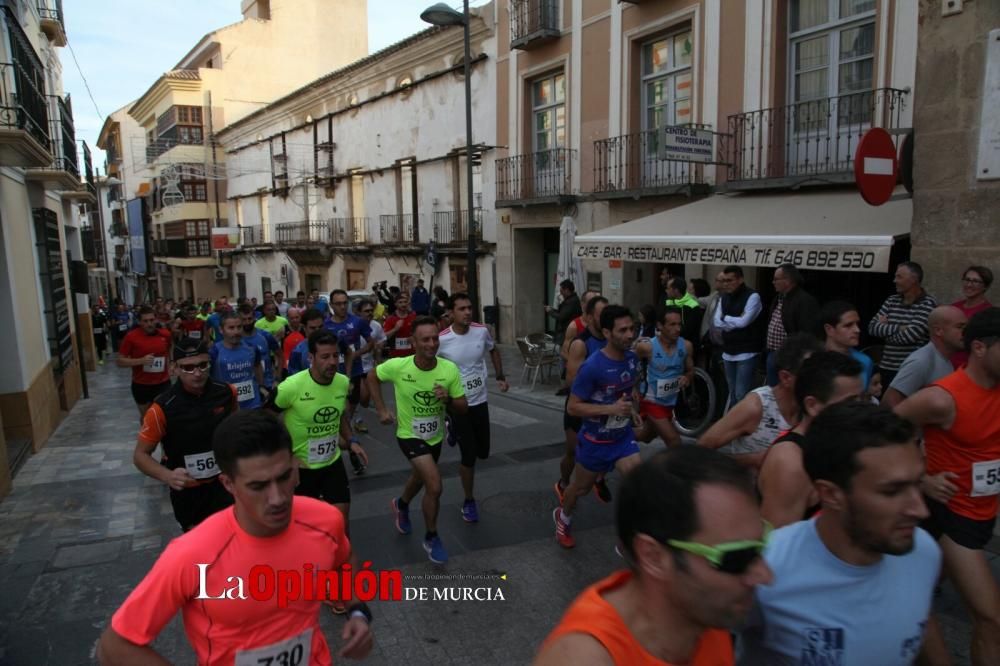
[{"x": 809, "y": 524}]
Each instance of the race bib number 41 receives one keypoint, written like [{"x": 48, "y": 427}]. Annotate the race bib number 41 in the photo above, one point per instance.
[
  {"x": 985, "y": 478},
  {"x": 292, "y": 652},
  {"x": 156, "y": 365}
]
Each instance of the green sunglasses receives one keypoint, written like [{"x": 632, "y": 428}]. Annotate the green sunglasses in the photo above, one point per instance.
[{"x": 734, "y": 557}]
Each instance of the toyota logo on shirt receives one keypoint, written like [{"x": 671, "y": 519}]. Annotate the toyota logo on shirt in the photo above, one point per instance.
[
  {"x": 325, "y": 415},
  {"x": 425, "y": 398}
]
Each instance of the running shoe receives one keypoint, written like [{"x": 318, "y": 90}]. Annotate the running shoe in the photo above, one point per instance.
[
  {"x": 435, "y": 550},
  {"x": 336, "y": 607},
  {"x": 449, "y": 431},
  {"x": 563, "y": 391},
  {"x": 602, "y": 491},
  {"x": 560, "y": 489},
  {"x": 359, "y": 467},
  {"x": 563, "y": 535},
  {"x": 402, "y": 517},
  {"x": 470, "y": 513},
  {"x": 359, "y": 426}
]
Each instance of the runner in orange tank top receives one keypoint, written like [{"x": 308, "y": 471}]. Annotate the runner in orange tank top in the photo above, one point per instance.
[
  {"x": 959, "y": 414},
  {"x": 687, "y": 585}
]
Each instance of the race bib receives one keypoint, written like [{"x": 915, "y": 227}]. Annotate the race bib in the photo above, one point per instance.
[
  {"x": 244, "y": 390},
  {"x": 667, "y": 388},
  {"x": 158, "y": 364},
  {"x": 123, "y": 327},
  {"x": 196, "y": 335},
  {"x": 402, "y": 343},
  {"x": 617, "y": 422},
  {"x": 426, "y": 427},
  {"x": 98, "y": 331},
  {"x": 474, "y": 386},
  {"x": 985, "y": 478},
  {"x": 292, "y": 652},
  {"x": 322, "y": 450},
  {"x": 201, "y": 465}
]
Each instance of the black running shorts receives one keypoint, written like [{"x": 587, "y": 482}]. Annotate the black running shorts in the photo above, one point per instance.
[{"x": 329, "y": 483}]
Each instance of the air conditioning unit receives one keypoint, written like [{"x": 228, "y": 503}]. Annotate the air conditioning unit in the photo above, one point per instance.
[{"x": 221, "y": 273}]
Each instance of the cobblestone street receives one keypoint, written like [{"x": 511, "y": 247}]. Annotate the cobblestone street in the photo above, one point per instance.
[{"x": 83, "y": 526}]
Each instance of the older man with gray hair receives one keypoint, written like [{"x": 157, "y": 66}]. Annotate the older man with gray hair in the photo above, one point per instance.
[{"x": 932, "y": 361}]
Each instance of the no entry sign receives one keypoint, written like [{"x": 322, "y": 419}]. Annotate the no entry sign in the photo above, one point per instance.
[{"x": 876, "y": 169}]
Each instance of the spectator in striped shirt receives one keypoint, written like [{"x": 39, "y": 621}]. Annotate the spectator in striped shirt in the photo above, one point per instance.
[{"x": 901, "y": 322}]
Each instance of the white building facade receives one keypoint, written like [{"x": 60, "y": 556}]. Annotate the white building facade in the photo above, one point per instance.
[{"x": 349, "y": 180}]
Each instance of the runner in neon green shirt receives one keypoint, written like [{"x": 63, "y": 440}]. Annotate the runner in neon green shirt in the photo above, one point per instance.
[
  {"x": 271, "y": 322},
  {"x": 313, "y": 404},
  {"x": 425, "y": 386}
]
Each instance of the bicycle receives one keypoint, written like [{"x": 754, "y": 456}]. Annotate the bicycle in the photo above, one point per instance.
[{"x": 695, "y": 406}]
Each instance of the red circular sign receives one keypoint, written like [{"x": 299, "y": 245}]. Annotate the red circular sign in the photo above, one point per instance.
[{"x": 876, "y": 169}]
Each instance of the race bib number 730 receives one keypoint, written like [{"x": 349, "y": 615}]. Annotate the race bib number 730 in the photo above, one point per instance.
[{"x": 292, "y": 652}]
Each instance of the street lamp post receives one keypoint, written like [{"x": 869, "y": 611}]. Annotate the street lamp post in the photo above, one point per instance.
[{"x": 443, "y": 15}]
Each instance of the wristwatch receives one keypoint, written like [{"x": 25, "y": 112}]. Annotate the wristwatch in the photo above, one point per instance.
[
  {"x": 501, "y": 377},
  {"x": 361, "y": 610}
]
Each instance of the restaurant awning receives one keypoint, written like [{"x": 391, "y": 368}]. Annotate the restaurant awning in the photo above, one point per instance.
[{"x": 816, "y": 230}]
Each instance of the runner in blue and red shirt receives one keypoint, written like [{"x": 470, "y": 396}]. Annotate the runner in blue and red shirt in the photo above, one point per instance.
[{"x": 602, "y": 397}]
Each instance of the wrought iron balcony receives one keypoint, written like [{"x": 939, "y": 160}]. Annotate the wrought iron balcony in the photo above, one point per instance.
[
  {"x": 533, "y": 22},
  {"x": 338, "y": 232},
  {"x": 51, "y": 14},
  {"x": 399, "y": 229},
  {"x": 24, "y": 117},
  {"x": 541, "y": 177},
  {"x": 629, "y": 165},
  {"x": 253, "y": 235},
  {"x": 63, "y": 172},
  {"x": 452, "y": 227},
  {"x": 807, "y": 141}
]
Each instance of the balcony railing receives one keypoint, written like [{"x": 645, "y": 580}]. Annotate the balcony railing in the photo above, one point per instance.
[
  {"x": 254, "y": 234},
  {"x": 88, "y": 170},
  {"x": 399, "y": 229},
  {"x": 631, "y": 163},
  {"x": 22, "y": 85},
  {"x": 452, "y": 227},
  {"x": 64, "y": 137},
  {"x": 183, "y": 248},
  {"x": 51, "y": 14},
  {"x": 812, "y": 140},
  {"x": 533, "y": 21},
  {"x": 542, "y": 175}
]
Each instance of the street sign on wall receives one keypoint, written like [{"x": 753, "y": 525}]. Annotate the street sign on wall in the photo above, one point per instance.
[
  {"x": 876, "y": 169},
  {"x": 685, "y": 144}
]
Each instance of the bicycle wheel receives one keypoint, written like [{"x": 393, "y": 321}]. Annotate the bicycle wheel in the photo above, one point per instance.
[{"x": 695, "y": 406}]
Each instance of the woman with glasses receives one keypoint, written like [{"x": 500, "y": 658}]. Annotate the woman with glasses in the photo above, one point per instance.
[
  {"x": 975, "y": 281},
  {"x": 183, "y": 419}
]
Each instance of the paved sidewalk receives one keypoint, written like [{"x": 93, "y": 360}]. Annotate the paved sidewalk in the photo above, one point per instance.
[{"x": 82, "y": 527}]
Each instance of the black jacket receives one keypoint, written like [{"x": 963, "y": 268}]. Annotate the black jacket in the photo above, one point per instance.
[{"x": 800, "y": 313}]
